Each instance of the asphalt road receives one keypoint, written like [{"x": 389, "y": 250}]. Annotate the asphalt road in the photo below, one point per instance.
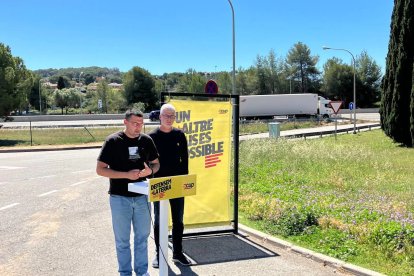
[
  {"x": 55, "y": 220},
  {"x": 366, "y": 116}
]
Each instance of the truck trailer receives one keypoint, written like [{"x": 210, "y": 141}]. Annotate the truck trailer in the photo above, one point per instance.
[{"x": 298, "y": 105}]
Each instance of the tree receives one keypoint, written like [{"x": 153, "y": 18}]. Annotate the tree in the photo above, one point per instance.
[
  {"x": 397, "y": 102},
  {"x": 224, "y": 83},
  {"x": 139, "y": 87},
  {"x": 262, "y": 75},
  {"x": 61, "y": 83},
  {"x": 303, "y": 67},
  {"x": 66, "y": 98},
  {"x": 191, "y": 82},
  {"x": 102, "y": 93},
  {"x": 338, "y": 79},
  {"x": 369, "y": 80},
  {"x": 246, "y": 81},
  {"x": 88, "y": 78},
  {"x": 15, "y": 82}
]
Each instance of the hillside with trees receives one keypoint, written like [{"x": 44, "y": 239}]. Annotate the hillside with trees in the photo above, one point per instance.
[{"x": 101, "y": 90}]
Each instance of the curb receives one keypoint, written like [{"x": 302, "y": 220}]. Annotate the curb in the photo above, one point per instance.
[
  {"x": 318, "y": 257},
  {"x": 5, "y": 150}
]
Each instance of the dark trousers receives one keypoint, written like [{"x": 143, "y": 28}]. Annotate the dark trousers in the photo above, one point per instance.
[{"x": 177, "y": 213}]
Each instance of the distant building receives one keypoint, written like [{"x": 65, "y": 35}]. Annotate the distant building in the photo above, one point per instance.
[
  {"x": 50, "y": 85},
  {"x": 114, "y": 85}
]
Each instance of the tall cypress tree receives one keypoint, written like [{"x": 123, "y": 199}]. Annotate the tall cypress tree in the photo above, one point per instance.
[{"x": 397, "y": 103}]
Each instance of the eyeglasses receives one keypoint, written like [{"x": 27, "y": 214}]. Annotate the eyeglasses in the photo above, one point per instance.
[{"x": 172, "y": 117}]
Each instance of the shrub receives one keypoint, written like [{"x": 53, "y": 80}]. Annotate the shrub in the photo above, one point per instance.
[
  {"x": 392, "y": 236},
  {"x": 294, "y": 221}
]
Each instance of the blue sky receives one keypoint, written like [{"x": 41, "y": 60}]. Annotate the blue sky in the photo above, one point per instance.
[{"x": 172, "y": 36}]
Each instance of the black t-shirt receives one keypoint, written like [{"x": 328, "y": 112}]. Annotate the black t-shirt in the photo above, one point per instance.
[
  {"x": 173, "y": 152},
  {"x": 123, "y": 154}
]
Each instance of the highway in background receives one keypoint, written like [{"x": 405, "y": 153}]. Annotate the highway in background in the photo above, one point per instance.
[{"x": 43, "y": 121}]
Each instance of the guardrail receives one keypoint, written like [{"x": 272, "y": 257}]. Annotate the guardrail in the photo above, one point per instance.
[{"x": 321, "y": 133}]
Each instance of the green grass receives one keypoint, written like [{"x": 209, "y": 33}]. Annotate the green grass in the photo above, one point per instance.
[
  {"x": 352, "y": 199},
  {"x": 56, "y": 136}
]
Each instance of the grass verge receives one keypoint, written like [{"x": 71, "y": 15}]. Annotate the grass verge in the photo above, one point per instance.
[
  {"x": 57, "y": 136},
  {"x": 352, "y": 199}
]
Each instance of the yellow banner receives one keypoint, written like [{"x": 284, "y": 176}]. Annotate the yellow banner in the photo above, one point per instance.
[
  {"x": 162, "y": 188},
  {"x": 207, "y": 126}
]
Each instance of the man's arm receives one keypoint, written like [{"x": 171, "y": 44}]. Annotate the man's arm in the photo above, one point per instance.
[
  {"x": 103, "y": 169},
  {"x": 154, "y": 166}
]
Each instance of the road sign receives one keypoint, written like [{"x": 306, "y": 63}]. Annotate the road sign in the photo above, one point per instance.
[
  {"x": 211, "y": 87},
  {"x": 335, "y": 105},
  {"x": 99, "y": 103},
  {"x": 351, "y": 105}
]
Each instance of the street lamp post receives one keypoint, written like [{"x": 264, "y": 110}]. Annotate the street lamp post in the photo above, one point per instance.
[
  {"x": 235, "y": 129},
  {"x": 40, "y": 97},
  {"x": 353, "y": 62},
  {"x": 80, "y": 93},
  {"x": 234, "y": 49}
]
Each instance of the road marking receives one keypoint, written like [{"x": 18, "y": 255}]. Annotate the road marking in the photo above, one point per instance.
[
  {"x": 86, "y": 180},
  {"x": 82, "y": 171},
  {"x": 78, "y": 183},
  {"x": 40, "y": 177},
  {"x": 48, "y": 193},
  {"x": 10, "y": 168},
  {"x": 9, "y": 206}
]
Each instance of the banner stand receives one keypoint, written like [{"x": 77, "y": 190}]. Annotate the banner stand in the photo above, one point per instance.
[
  {"x": 162, "y": 189},
  {"x": 235, "y": 100},
  {"x": 163, "y": 253}
]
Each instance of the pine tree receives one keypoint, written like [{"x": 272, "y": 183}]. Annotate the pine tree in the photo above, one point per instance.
[
  {"x": 61, "y": 83},
  {"x": 397, "y": 103}
]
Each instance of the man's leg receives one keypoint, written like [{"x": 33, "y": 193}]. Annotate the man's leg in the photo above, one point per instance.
[
  {"x": 177, "y": 214},
  {"x": 155, "y": 262},
  {"x": 121, "y": 209},
  {"x": 142, "y": 226}
]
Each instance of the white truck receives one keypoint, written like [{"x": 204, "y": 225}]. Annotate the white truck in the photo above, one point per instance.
[{"x": 298, "y": 105}]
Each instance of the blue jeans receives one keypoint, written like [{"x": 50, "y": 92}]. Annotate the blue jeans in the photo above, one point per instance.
[{"x": 127, "y": 210}]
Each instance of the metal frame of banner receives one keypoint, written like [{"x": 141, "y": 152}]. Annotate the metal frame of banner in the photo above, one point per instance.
[{"x": 236, "y": 106}]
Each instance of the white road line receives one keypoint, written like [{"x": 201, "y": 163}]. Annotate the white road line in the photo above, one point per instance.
[
  {"x": 78, "y": 183},
  {"x": 86, "y": 180},
  {"x": 48, "y": 193},
  {"x": 10, "y": 168},
  {"x": 82, "y": 171},
  {"x": 9, "y": 206},
  {"x": 40, "y": 177}
]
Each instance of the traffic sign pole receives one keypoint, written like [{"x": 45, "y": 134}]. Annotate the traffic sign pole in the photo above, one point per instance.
[{"x": 336, "y": 105}]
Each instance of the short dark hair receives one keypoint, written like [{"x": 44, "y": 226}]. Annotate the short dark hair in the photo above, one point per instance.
[{"x": 134, "y": 112}]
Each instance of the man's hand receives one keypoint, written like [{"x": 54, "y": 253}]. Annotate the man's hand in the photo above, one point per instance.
[
  {"x": 133, "y": 174},
  {"x": 146, "y": 171}
]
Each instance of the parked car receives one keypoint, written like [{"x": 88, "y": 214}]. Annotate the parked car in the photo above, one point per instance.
[{"x": 154, "y": 115}]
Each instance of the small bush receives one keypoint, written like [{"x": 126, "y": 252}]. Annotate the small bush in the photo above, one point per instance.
[
  {"x": 294, "y": 221},
  {"x": 392, "y": 236}
]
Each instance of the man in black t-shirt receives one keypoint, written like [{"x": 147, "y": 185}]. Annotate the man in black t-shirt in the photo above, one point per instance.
[
  {"x": 129, "y": 156},
  {"x": 171, "y": 144}
]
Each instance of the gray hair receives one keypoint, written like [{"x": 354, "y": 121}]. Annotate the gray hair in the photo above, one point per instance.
[{"x": 167, "y": 107}]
